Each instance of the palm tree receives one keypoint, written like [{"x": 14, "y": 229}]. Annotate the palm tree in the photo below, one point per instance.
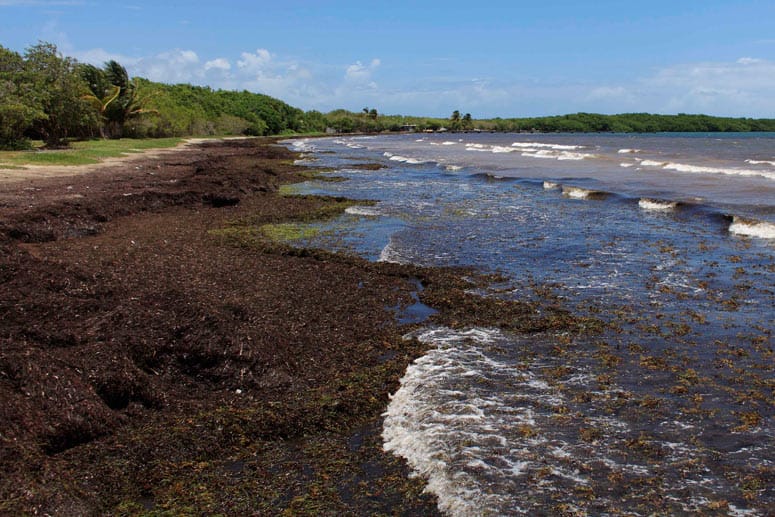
[
  {"x": 455, "y": 121},
  {"x": 468, "y": 123},
  {"x": 114, "y": 95},
  {"x": 103, "y": 93}
]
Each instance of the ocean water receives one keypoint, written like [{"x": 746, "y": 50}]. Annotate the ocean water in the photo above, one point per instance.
[{"x": 670, "y": 238}]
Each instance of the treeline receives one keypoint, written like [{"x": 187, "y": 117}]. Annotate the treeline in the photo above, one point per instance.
[
  {"x": 182, "y": 109},
  {"x": 46, "y": 96},
  {"x": 627, "y": 123},
  {"x": 369, "y": 121}
]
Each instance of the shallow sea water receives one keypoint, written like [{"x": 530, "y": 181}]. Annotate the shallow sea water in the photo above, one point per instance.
[{"x": 673, "y": 409}]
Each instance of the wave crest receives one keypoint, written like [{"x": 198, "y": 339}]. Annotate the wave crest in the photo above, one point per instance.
[{"x": 752, "y": 228}]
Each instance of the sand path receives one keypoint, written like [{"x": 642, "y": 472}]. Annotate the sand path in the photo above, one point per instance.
[{"x": 32, "y": 172}]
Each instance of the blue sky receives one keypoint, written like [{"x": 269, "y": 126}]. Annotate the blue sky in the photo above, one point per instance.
[{"x": 429, "y": 58}]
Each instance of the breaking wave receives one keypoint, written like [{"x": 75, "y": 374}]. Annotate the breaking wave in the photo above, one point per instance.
[
  {"x": 427, "y": 417},
  {"x": 657, "y": 204},
  {"x": 582, "y": 193},
  {"x": 529, "y": 150},
  {"x": 556, "y": 155},
  {"x": 697, "y": 169},
  {"x": 761, "y": 162},
  {"x": 538, "y": 145},
  {"x": 752, "y": 228},
  {"x": 404, "y": 159},
  {"x": 303, "y": 145}
]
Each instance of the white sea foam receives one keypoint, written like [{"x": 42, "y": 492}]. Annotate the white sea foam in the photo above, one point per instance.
[
  {"x": 529, "y": 150},
  {"x": 365, "y": 211},
  {"x": 453, "y": 168},
  {"x": 448, "y": 143},
  {"x": 656, "y": 204},
  {"x": 626, "y": 165},
  {"x": 652, "y": 163},
  {"x": 539, "y": 154},
  {"x": 477, "y": 148},
  {"x": 303, "y": 145},
  {"x": 550, "y": 185},
  {"x": 538, "y": 145},
  {"x": 420, "y": 425},
  {"x": 761, "y": 162},
  {"x": 698, "y": 169},
  {"x": 628, "y": 151},
  {"x": 404, "y": 159},
  {"x": 391, "y": 254},
  {"x": 752, "y": 228},
  {"x": 555, "y": 155},
  {"x": 564, "y": 155},
  {"x": 579, "y": 193}
]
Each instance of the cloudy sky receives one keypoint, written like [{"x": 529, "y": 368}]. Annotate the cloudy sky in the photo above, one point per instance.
[{"x": 492, "y": 58}]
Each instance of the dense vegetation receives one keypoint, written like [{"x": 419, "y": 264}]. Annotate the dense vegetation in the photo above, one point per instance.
[
  {"x": 345, "y": 121},
  {"x": 49, "y": 97},
  {"x": 46, "y": 96},
  {"x": 628, "y": 123}
]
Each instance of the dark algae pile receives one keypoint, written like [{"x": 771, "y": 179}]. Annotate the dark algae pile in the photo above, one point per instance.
[{"x": 162, "y": 354}]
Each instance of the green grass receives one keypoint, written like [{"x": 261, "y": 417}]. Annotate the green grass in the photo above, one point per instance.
[
  {"x": 286, "y": 232},
  {"x": 84, "y": 152}
]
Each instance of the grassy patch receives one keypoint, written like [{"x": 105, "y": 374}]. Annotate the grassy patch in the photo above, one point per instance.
[
  {"x": 285, "y": 232},
  {"x": 289, "y": 189},
  {"x": 84, "y": 153}
]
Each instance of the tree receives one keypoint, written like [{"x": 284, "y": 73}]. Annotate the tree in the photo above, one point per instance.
[
  {"x": 128, "y": 103},
  {"x": 60, "y": 90},
  {"x": 102, "y": 95},
  {"x": 454, "y": 121},
  {"x": 18, "y": 106},
  {"x": 373, "y": 113},
  {"x": 468, "y": 123}
]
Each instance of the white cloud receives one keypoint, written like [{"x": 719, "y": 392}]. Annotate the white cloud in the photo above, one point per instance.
[
  {"x": 219, "y": 64},
  {"x": 358, "y": 72},
  {"x": 255, "y": 62},
  {"x": 173, "y": 66},
  {"x": 734, "y": 88},
  {"x": 749, "y": 61},
  {"x": 741, "y": 88}
]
